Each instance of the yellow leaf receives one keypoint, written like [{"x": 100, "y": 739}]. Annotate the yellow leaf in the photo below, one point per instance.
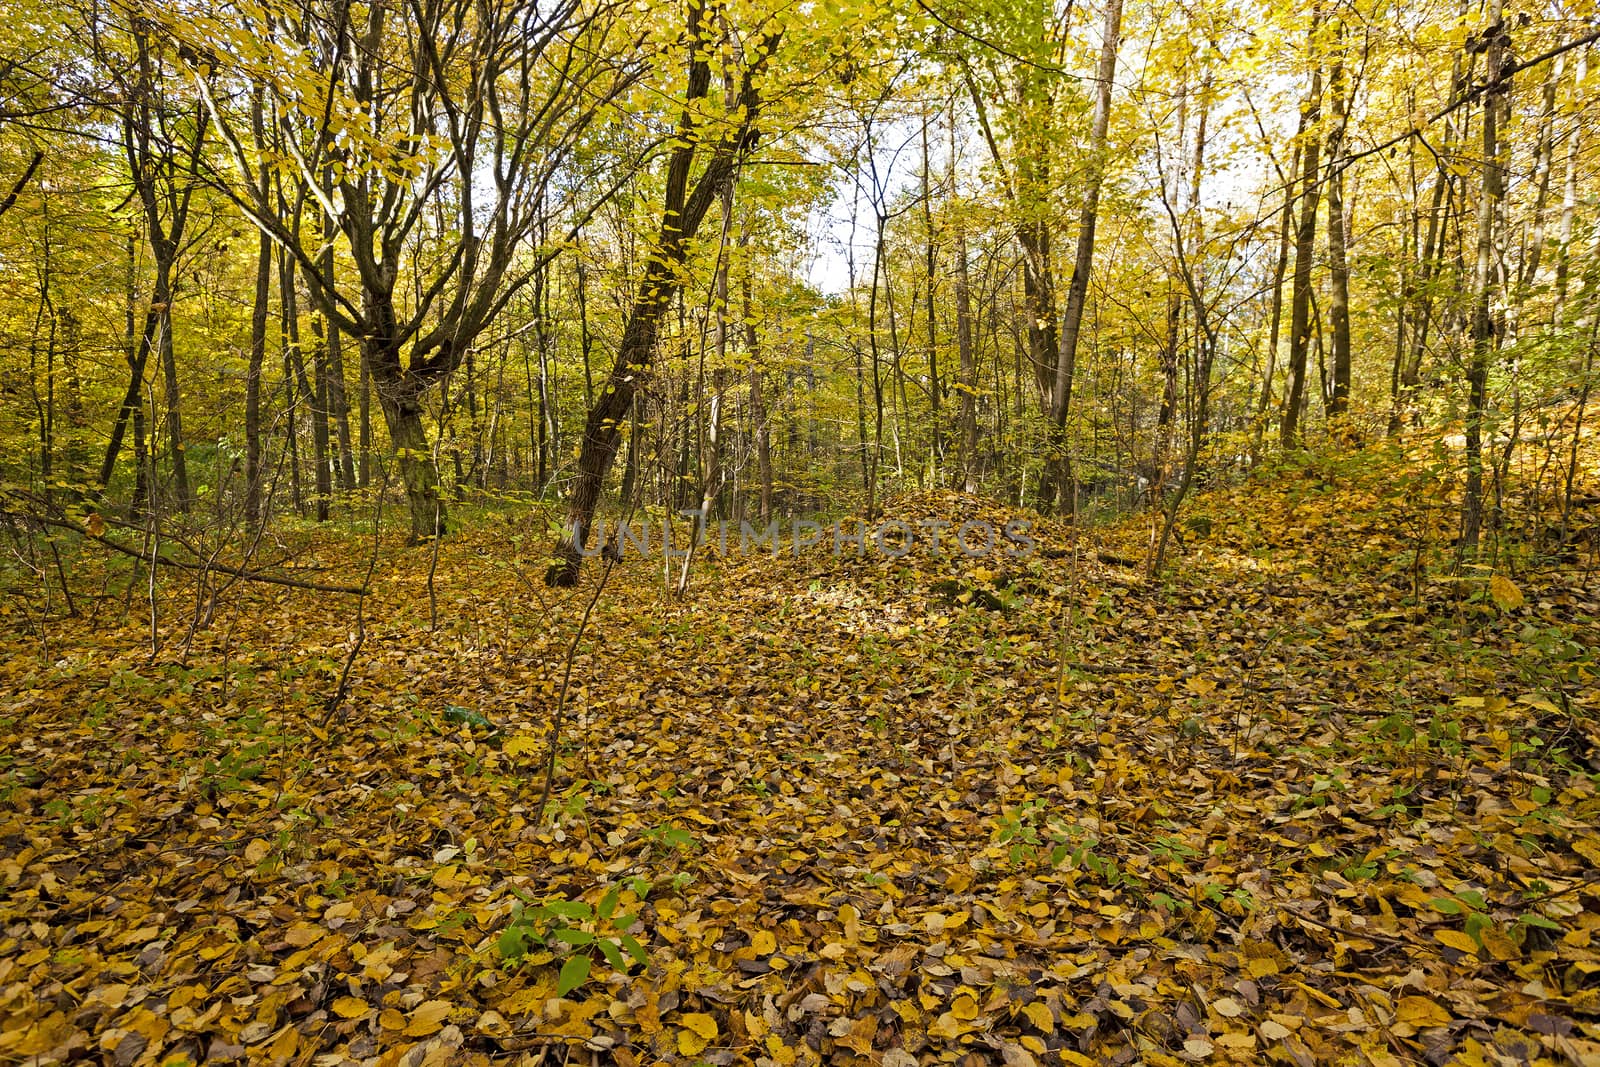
[
  {"x": 964, "y": 1007},
  {"x": 427, "y": 1018},
  {"x": 1505, "y": 593},
  {"x": 1262, "y": 959},
  {"x": 1038, "y": 1014},
  {"x": 350, "y": 1007},
  {"x": 764, "y": 943},
  {"x": 521, "y": 745},
  {"x": 949, "y": 1027},
  {"x": 1420, "y": 1011},
  {"x": 256, "y": 851},
  {"x": 1459, "y": 940},
  {"x": 696, "y": 1031}
]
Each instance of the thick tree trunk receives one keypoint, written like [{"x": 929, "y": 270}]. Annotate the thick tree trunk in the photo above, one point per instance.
[{"x": 402, "y": 412}]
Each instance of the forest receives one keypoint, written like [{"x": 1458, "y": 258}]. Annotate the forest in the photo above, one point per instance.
[{"x": 797, "y": 532}]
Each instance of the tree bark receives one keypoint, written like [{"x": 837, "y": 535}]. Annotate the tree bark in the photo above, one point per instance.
[
  {"x": 967, "y": 419},
  {"x": 1305, "y": 250},
  {"x": 1083, "y": 259},
  {"x": 1279, "y": 269},
  {"x": 683, "y": 210},
  {"x": 253, "y": 512},
  {"x": 1484, "y": 335},
  {"x": 1338, "y": 267}
]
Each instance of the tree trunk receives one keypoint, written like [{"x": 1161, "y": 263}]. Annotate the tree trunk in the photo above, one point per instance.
[
  {"x": 338, "y": 399},
  {"x": 136, "y": 352},
  {"x": 252, "y": 384},
  {"x": 1280, "y": 267},
  {"x": 1569, "y": 202},
  {"x": 930, "y": 263},
  {"x": 682, "y": 212},
  {"x": 1083, "y": 260},
  {"x": 318, "y": 392},
  {"x": 289, "y": 341},
  {"x": 182, "y": 496},
  {"x": 758, "y": 403},
  {"x": 402, "y": 412},
  {"x": 364, "y": 427},
  {"x": 1304, "y": 252},
  {"x": 967, "y": 420},
  {"x": 1484, "y": 335},
  {"x": 1338, "y": 268}
]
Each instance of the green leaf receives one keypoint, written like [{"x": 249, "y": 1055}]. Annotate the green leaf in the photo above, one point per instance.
[
  {"x": 573, "y": 974},
  {"x": 575, "y": 910},
  {"x": 635, "y": 949},
  {"x": 608, "y": 949},
  {"x": 513, "y": 944},
  {"x": 608, "y": 903},
  {"x": 573, "y": 937}
]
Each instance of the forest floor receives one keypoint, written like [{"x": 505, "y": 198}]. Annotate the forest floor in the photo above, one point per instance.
[{"x": 1310, "y": 799}]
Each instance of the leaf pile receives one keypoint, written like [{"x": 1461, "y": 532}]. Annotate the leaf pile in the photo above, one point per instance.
[{"x": 1306, "y": 803}]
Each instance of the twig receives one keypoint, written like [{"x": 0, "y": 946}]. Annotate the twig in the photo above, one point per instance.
[
  {"x": 566, "y": 683},
  {"x": 336, "y": 699},
  {"x": 155, "y": 557}
]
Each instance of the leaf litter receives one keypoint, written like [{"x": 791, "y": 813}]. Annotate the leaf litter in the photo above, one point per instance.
[{"x": 1303, "y": 803}]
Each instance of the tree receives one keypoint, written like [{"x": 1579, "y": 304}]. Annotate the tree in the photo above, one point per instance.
[
  {"x": 1495, "y": 41},
  {"x": 437, "y": 136},
  {"x": 683, "y": 209},
  {"x": 1305, "y": 247},
  {"x": 163, "y": 141},
  {"x": 1078, "y": 284}
]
